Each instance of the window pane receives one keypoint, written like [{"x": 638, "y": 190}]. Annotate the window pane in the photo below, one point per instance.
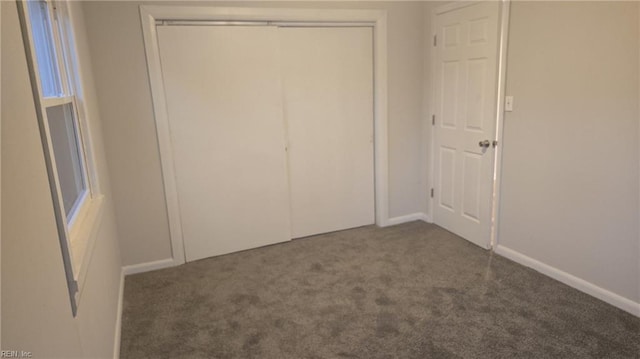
[
  {"x": 45, "y": 50},
  {"x": 66, "y": 149}
]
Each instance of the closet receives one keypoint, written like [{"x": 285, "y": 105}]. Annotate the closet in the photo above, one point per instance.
[{"x": 271, "y": 132}]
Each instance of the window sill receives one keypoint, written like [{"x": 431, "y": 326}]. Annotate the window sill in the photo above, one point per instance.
[{"x": 83, "y": 239}]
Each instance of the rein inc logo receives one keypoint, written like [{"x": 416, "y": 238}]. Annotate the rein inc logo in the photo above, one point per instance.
[{"x": 15, "y": 354}]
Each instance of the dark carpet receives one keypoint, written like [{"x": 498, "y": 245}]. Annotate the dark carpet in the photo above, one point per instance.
[{"x": 409, "y": 291}]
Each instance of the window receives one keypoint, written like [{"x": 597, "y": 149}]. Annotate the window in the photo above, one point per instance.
[
  {"x": 63, "y": 131},
  {"x": 55, "y": 81}
]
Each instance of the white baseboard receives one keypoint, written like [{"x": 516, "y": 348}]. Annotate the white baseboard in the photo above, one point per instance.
[
  {"x": 118, "y": 329},
  {"x": 580, "y": 284},
  {"x": 149, "y": 266},
  {"x": 419, "y": 216}
]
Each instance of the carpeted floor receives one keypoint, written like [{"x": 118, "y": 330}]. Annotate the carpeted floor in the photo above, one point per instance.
[{"x": 409, "y": 291}]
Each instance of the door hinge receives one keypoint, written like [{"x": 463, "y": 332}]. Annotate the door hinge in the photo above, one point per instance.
[
  {"x": 435, "y": 40},
  {"x": 432, "y": 193},
  {"x": 433, "y": 120},
  {"x": 54, "y": 9}
]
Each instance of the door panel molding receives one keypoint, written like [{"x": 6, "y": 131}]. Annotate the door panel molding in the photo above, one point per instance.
[{"x": 377, "y": 19}]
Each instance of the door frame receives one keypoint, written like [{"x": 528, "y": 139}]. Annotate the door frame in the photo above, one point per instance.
[
  {"x": 150, "y": 15},
  {"x": 503, "y": 37}
]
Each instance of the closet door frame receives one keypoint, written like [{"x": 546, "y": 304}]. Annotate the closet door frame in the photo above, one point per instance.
[{"x": 376, "y": 19}]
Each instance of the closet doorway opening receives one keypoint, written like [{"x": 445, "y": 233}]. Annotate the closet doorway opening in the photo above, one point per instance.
[{"x": 231, "y": 185}]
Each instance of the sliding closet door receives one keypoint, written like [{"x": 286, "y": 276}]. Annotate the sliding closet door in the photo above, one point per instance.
[
  {"x": 328, "y": 83},
  {"x": 224, "y": 101}
]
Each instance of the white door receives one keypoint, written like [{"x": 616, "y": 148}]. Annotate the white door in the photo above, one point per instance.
[
  {"x": 328, "y": 91},
  {"x": 224, "y": 103},
  {"x": 465, "y": 106}
]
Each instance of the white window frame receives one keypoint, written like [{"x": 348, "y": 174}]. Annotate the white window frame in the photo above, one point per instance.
[{"x": 77, "y": 234}]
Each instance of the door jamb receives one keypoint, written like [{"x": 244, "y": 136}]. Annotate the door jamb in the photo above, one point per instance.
[
  {"x": 377, "y": 19},
  {"x": 505, "y": 12},
  {"x": 503, "y": 37}
]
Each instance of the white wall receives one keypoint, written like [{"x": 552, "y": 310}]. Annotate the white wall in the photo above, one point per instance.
[
  {"x": 125, "y": 103},
  {"x": 570, "y": 168},
  {"x": 36, "y": 313}
]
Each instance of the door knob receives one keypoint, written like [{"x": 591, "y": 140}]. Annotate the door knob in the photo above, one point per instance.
[{"x": 484, "y": 144}]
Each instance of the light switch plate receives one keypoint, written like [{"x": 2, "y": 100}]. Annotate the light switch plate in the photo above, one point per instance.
[{"x": 508, "y": 103}]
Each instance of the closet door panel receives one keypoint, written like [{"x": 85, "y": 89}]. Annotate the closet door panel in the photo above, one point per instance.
[
  {"x": 328, "y": 102},
  {"x": 224, "y": 102}
]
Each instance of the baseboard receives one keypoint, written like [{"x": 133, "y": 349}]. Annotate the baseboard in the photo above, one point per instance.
[
  {"x": 419, "y": 216},
  {"x": 149, "y": 266},
  {"x": 118, "y": 329},
  {"x": 580, "y": 284}
]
